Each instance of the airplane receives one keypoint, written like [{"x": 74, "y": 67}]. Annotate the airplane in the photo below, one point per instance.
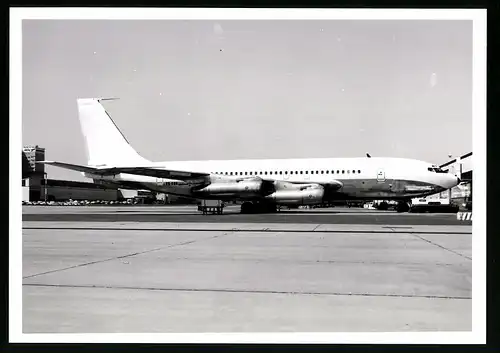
[{"x": 262, "y": 185}]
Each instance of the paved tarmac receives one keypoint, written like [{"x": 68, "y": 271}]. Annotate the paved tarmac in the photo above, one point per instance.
[
  {"x": 181, "y": 214},
  {"x": 130, "y": 276}
]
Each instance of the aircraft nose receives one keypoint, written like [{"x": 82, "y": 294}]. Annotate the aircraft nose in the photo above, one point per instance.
[{"x": 450, "y": 181}]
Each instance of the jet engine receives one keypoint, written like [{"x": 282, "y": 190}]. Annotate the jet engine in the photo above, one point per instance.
[
  {"x": 243, "y": 188},
  {"x": 307, "y": 196}
]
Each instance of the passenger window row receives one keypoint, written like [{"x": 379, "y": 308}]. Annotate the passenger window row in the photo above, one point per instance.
[{"x": 290, "y": 172}]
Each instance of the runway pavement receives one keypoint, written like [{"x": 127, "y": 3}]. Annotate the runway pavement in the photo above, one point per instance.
[
  {"x": 231, "y": 214},
  {"x": 235, "y": 276}
]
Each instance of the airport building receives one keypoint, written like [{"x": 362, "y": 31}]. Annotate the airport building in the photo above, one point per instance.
[
  {"x": 61, "y": 190},
  {"x": 33, "y": 173},
  {"x": 33, "y": 154}
]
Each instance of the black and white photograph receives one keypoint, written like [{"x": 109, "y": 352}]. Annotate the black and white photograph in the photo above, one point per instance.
[{"x": 214, "y": 172}]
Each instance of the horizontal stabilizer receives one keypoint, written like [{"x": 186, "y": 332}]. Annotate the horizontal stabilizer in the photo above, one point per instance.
[{"x": 76, "y": 167}]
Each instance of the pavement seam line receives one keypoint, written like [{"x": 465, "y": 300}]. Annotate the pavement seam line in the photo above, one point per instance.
[
  {"x": 222, "y": 290},
  {"x": 248, "y": 230},
  {"x": 121, "y": 256},
  {"x": 314, "y": 229},
  {"x": 211, "y": 259},
  {"x": 442, "y": 247}
]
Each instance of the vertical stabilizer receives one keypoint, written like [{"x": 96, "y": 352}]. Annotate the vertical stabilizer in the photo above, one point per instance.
[{"x": 105, "y": 144}]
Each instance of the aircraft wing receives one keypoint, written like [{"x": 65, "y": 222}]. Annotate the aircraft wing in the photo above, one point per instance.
[
  {"x": 145, "y": 170},
  {"x": 158, "y": 172}
]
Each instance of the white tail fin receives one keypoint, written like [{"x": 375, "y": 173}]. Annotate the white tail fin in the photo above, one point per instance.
[{"x": 105, "y": 144}]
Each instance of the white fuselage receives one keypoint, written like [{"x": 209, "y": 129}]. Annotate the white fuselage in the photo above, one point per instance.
[{"x": 361, "y": 178}]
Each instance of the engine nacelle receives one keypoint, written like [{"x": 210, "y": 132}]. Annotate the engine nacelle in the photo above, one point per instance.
[
  {"x": 244, "y": 187},
  {"x": 307, "y": 196}
]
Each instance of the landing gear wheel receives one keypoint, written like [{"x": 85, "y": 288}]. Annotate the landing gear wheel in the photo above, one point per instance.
[
  {"x": 247, "y": 207},
  {"x": 264, "y": 207},
  {"x": 270, "y": 208},
  {"x": 403, "y": 207},
  {"x": 383, "y": 206}
]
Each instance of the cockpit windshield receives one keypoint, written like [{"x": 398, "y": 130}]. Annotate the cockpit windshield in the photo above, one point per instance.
[{"x": 436, "y": 170}]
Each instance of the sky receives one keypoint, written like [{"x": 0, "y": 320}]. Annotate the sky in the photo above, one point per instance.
[{"x": 200, "y": 89}]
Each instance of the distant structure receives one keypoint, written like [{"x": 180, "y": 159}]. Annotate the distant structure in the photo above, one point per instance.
[
  {"x": 37, "y": 187},
  {"x": 467, "y": 175},
  {"x": 462, "y": 192},
  {"x": 33, "y": 173},
  {"x": 32, "y": 155}
]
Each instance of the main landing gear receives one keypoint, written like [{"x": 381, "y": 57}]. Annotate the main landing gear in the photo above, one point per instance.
[
  {"x": 402, "y": 206},
  {"x": 258, "y": 207}
]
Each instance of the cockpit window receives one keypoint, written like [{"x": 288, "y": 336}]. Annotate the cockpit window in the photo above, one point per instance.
[{"x": 436, "y": 170}]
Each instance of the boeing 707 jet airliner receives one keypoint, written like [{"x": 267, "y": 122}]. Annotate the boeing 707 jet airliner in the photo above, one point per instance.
[{"x": 261, "y": 185}]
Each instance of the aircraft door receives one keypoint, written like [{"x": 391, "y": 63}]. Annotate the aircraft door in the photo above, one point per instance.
[{"x": 380, "y": 176}]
